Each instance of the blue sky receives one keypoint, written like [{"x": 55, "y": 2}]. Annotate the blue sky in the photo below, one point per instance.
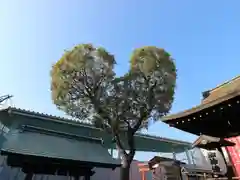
[{"x": 203, "y": 37}]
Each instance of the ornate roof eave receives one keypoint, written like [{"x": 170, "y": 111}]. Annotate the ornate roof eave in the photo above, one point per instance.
[
  {"x": 57, "y": 119},
  {"x": 203, "y": 140},
  {"x": 200, "y": 107}
]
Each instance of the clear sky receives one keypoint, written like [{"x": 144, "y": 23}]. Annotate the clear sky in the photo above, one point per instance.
[{"x": 203, "y": 37}]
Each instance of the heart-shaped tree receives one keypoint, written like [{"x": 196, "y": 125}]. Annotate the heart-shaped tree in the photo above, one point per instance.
[{"x": 85, "y": 86}]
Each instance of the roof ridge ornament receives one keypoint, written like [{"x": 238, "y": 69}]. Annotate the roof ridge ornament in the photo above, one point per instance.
[{"x": 205, "y": 94}]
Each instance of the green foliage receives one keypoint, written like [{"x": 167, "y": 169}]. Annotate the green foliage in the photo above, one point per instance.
[
  {"x": 78, "y": 71},
  {"x": 156, "y": 66},
  {"x": 84, "y": 84}
]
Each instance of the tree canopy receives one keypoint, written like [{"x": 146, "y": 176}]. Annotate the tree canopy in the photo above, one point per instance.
[{"x": 85, "y": 86}]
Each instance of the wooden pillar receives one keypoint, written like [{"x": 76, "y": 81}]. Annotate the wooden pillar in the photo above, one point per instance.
[
  {"x": 143, "y": 168},
  {"x": 143, "y": 175},
  {"x": 76, "y": 177},
  {"x": 87, "y": 177},
  {"x": 28, "y": 176}
]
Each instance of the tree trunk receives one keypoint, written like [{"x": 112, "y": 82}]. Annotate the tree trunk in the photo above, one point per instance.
[
  {"x": 125, "y": 172},
  {"x": 126, "y": 165},
  {"x": 126, "y": 158}
]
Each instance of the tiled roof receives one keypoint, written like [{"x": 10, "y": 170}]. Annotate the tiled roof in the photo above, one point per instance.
[
  {"x": 74, "y": 149},
  {"x": 58, "y": 119},
  {"x": 221, "y": 93},
  {"x": 222, "y": 90}
]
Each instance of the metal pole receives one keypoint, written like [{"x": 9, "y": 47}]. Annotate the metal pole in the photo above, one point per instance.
[
  {"x": 188, "y": 156},
  {"x": 174, "y": 155},
  {"x": 111, "y": 152}
]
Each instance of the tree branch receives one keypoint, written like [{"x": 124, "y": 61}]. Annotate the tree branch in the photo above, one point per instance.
[
  {"x": 143, "y": 116},
  {"x": 149, "y": 96},
  {"x": 145, "y": 111},
  {"x": 119, "y": 144},
  {"x": 131, "y": 144}
]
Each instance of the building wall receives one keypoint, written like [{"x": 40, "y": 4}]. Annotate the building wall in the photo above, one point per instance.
[{"x": 8, "y": 173}]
